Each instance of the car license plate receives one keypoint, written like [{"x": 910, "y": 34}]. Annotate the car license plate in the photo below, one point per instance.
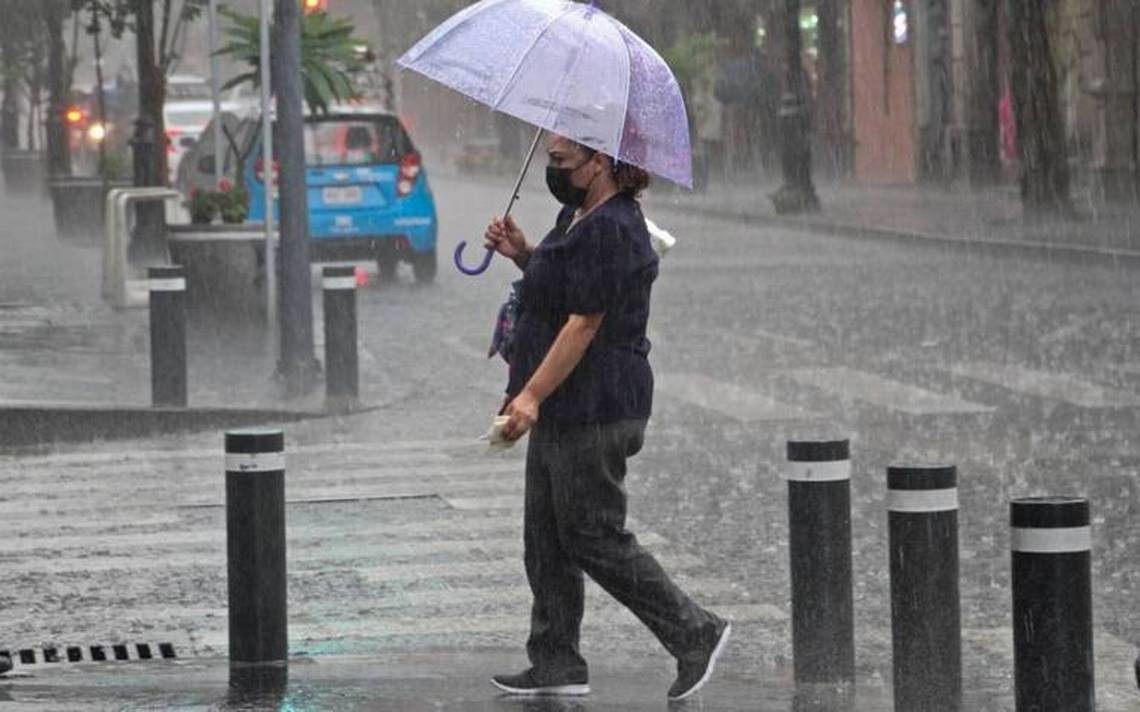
[{"x": 342, "y": 195}]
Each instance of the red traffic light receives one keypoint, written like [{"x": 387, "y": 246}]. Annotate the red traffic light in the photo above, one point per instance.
[
  {"x": 74, "y": 115},
  {"x": 311, "y": 6}
]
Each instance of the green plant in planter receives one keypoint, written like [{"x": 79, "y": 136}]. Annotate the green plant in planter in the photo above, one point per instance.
[
  {"x": 232, "y": 202},
  {"x": 203, "y": 207},
  {"x": 229, "y": 202}
]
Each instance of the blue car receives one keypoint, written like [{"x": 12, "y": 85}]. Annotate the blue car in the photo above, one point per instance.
[{"x": 368, "y": 193}]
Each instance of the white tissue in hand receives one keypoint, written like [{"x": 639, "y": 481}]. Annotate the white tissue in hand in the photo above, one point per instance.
[{"x": 494, "y": 436}]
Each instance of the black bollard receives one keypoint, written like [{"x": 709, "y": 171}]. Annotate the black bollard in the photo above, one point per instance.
[
  {"x": 926, "y": 628},
  {"x": 819, "y": 542},
  {"x": 1050, "y": 541},
  {"x": 341, "y": 369},
  {"x": 167, "y": 336},
  {"x": 255, "y": 546}
]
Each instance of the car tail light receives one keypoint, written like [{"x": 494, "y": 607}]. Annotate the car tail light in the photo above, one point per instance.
[
  {"x": 171, "y": 136},
  {"x": 409, "y": 172},
  {"x": 259, "y": 171}
]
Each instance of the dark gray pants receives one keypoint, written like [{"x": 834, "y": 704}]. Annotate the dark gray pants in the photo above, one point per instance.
[{"x": 575, "y": 523}]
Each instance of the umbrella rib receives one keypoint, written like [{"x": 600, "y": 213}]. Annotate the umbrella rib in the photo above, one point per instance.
[
  {"x": 522, "y": 60},
  {"x": 628, "y": 91},
  {"x": 453, "y": 23}
]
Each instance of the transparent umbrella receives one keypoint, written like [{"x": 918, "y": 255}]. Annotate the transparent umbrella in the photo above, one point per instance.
[{"x": 564, "y": 67}]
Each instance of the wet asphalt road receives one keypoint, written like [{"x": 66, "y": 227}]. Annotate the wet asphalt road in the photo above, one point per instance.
[{"x": 1022, "y": 371}]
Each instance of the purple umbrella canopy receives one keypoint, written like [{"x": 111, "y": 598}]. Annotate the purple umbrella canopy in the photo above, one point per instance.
[{"x": 568, "y": 68}]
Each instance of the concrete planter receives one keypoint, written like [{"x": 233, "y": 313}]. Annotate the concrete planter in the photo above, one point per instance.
[
  {"x": 24, "y": 172},
  {"x": 79, "y": 206},
  {"x": 225, "y": 270}
]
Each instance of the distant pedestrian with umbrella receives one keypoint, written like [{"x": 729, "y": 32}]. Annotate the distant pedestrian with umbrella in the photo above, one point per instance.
[{"x": 580, "y": 380}]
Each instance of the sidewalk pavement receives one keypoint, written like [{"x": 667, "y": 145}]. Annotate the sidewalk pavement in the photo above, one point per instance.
[
  {"x": 952, "y": 215},
  {"x": 73, "y": 367}
]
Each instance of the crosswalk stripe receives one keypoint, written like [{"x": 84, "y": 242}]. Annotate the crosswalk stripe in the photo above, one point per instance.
[
  {"x": 1055, "y": 386},
  {"x": 405, "y": 489},
  {"x": 851, "y": 384},
  {"x": 707, "y": 590},
  {"x": 595, "y": 621},
  {"x": 496, "y": 567},
  {"x": 300, "y": 558},
  {"x": 13, "y": 531},
  {"x": 470, "y": 503},
  {"x": 177, "y": 552},
  {"x": 510, "y": 595},
  {"x": 39, "y": 540},
  {"x": 38, "y": 493},
  {"x": 89, "y": 458},
  {"x": 214, "y": 468},
  {"x": 725, "y": 398}
]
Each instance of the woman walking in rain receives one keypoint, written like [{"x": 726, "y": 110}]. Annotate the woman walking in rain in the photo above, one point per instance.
[{"x": 581, "y": 385}]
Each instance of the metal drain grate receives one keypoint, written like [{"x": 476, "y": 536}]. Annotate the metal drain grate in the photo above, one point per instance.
[{"x": 93, "y": 653}]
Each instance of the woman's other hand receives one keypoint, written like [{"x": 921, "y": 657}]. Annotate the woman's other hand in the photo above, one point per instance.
[
  {"x": 505, "y": 237},
  {"x": 522, "y": 413}
]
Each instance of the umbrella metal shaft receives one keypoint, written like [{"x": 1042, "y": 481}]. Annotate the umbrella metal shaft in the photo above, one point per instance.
[{"x": 522, "y": 173}]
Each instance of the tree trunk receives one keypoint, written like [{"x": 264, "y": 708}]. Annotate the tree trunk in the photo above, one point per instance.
[
  {"x": 150, "y": 133},
  {"x": 983, "y": 136},
  {"x": 35, "y": 84},
  {"x": 149, "y": 140},
  {"x": 831, "y": 107},
  {"x": 797, "y": 194},
  {"x": 931, "y": 21},
  {"x": 10, "y": 108},
  {"x": 1040, "y": 134},
  {"x": 298, "y": 365},
  {"x": 58, "y": 147}
]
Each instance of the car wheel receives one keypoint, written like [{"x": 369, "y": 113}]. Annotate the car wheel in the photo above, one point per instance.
[{"x": 424, "y": 266}]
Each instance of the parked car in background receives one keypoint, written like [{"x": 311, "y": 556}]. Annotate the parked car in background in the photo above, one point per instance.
[
  {"x": 368, "y": 192},
  {"x": 196, "y": 169},
  {"x": 188, "y": 109}
]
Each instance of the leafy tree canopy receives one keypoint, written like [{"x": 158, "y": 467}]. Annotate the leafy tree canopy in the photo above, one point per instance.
[{"x": 330, "y": 56}]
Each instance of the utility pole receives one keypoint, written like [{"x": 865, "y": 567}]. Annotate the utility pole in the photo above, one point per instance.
[
  {"x": 297, "y": 365},
  {"x": 797, "y": 194}
]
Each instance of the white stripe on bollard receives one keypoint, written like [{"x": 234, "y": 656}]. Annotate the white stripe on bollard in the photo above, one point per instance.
[
  {"x": 1059, "y": 540},
  {"x": 167, "y": 284},
  {"x": 920, "y": 501},
  {"x": 255, "y": 461},
  {"x": 338, "y": 283},
  {"x": 827, "y": 471}
]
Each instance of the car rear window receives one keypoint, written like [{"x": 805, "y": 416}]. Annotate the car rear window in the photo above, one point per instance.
[
  {"x": 188, "y": 117},
  {"x": 354, "y": 141}
]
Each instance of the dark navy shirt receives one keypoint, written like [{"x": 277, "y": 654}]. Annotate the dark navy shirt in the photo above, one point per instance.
[{"x": 604, "y": 263}]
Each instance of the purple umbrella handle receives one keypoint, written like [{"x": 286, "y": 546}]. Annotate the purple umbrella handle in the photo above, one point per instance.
[
  {"x": 472, "y": 270},
  {"x": 514, "y": 196}
]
